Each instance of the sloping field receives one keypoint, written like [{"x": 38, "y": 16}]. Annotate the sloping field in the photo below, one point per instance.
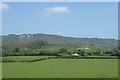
[{"x": 62, "y": 68}]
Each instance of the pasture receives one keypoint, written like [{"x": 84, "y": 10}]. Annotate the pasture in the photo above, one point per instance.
[{"x": 62, "y": 68}]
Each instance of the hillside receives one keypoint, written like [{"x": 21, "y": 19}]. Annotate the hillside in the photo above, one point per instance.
[{"x": 57, "y": 39}]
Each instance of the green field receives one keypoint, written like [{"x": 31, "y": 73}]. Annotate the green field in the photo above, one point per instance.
[{"x": 62, "y": 68}]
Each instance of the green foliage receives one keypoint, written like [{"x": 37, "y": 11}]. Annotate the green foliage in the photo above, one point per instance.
[
  {"x": 41, "y": 47},
  {"x": 16, "y": 50},
  {"x": 62, "y": 50},
  {"x": 88, "y": 57},
  {"x": 38, "y": 48},
  {"x": 81, "y": 52},
  {"x": 26, "y": 58}
]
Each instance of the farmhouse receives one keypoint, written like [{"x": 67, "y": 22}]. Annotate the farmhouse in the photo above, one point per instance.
[
  {"x": 75, "y": 54},
  {"x": 83, "y": 48}
]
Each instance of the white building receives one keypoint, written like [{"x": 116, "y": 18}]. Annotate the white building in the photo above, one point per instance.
[
  {"x": 75, "y": 54},
  {"x": 83, "y": 48}
]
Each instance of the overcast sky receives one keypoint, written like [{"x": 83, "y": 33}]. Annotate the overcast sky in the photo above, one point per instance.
[{"x": 78, "y": 19}]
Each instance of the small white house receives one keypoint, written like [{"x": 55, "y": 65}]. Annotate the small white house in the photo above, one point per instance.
[
  {"x": 83, "y": 48},
  {"x": 75, "y": 54}
]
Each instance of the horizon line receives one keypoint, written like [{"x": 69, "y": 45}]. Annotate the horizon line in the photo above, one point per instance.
[{"x": 56, "y": 35}]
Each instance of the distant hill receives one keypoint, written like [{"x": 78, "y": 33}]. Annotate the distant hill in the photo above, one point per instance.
[{"x": 57, "y": 39}]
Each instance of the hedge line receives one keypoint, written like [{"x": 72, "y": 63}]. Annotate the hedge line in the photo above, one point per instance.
[
  {"x": 29, "y": 60},
  {"x": 32, "y": 54},
  {"x": 61, "y": 57},
  {"x": 87, "y": 57}
]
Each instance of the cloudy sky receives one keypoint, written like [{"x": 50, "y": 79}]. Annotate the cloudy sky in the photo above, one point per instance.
[{"x": 78, "y": 19}]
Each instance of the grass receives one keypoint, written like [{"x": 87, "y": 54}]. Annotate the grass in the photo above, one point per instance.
[
  {"x": 62, "y": 68},
  {"x": 72, "y": 48},
  {"x": 55, "y": 48}
]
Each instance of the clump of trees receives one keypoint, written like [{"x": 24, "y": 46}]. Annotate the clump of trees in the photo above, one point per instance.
[
  {"x": 81, "y": 52},
  {"x": 22, "y": 48},
  {"x": 62, "y": 50}
]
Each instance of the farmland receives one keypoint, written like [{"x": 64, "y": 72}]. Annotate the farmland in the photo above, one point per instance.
[
  {"x": 52, "y": 56},
  {"x": 62, "y": 68},
  {"x": 50, "y": 39}
]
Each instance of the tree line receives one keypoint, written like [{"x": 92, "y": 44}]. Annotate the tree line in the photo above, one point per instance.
[{"x": 35, "y": 48}]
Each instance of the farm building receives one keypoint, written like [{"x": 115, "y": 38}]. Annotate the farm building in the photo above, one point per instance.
[{"x": 75, "y": 54}]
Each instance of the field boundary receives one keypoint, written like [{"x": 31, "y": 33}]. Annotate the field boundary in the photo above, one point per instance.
[{"x": 60, "y": 79}]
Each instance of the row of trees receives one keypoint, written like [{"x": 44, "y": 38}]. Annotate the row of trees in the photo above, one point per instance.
[
  {"x": 24, "y": 48},
  {"x": 113, "y": 52}
]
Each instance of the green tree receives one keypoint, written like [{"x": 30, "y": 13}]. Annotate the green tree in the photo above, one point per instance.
[
  {"x": 37, "y": 44},
  {"x": 17, "y": 50},
  {"x": 62, "y": 50},
  {"x": 81, "y": 52}
]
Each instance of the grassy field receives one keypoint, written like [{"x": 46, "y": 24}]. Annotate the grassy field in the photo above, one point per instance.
[
  {"x": 62, "y": 68},
  {"x": 72, "y": 48}
]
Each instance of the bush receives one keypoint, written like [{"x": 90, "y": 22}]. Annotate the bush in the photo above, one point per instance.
[
  {"x": 89, "y": 57},
  {"x": 23, "y": 60},
  {"x": 62, "y": 50}
]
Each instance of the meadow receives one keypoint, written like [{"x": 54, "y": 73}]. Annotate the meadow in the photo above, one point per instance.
[
  {"x": 62, "y": 68},
  {"x": 40, "y": 59}
]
